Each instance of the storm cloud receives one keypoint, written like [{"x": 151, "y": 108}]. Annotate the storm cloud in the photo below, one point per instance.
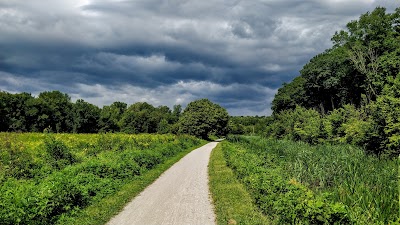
[{"x": 236, "y": 53}]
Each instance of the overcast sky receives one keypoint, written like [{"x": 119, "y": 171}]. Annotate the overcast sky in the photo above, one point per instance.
[{"x": 166, "y": 52}]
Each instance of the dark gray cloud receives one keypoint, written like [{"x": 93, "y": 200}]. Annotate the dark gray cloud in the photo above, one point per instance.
[{"x": 237, "y": 53}]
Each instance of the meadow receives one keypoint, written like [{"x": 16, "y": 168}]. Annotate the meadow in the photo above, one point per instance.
[
  {"x": 295, "y": 183},
  {"x": 54, "y": 178}
]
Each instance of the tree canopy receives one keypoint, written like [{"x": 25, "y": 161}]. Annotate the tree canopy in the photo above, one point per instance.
[
  {"x": 202, "y": 118},
  {"x": 354, "y": 86},
  {"x": 358, "y": 66},
  {"x": 53, "y": 111}
]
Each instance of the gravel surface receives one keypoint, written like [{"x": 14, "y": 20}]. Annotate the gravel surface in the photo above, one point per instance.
[{"x": 179, "y": 196}]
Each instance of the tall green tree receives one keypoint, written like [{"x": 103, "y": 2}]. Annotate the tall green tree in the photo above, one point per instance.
[
  {"x": 330, "y": 81},
  {"x": 373, "y": 45},
  {"x": 202, "y": 118},
  {"x": 290, "y": 95},
  {"x": 13, "y": 109},
  {"x": 4, "y": 111},
  {"x": 353, "y": 71},
  {"x": 176, "y": 113},
  {"x": 86, "y": 117},
  {"x": 139, "y": 118},
  {"x": 54, "y": 111},
  {"x": 110, "y": 117}
]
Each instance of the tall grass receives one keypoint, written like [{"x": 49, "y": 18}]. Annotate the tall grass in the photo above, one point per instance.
[
  {"x": 367, "y": 185},
  {"x": 232, "y": 203}
]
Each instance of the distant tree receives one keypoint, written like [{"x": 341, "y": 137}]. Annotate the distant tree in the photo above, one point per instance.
[
  {"x": 163, "y": 127},
  {"x": 4, "y": 111},
  {"x": 38, "y": 115},
  {"x": 110, "y": 117},
  {"x": 202, "y": 118},
  {"x": 86, "y": 117},
  {"x": 176, "y": 113},
  {"x": 139, "y": 118},
  {"x": 235, "y": 127},
  {"x": 162, "y": 115},
  {"x": 13, "y": 108},
  {"x": 54, "y": 111},
  {"x": 249, "y": 124}
]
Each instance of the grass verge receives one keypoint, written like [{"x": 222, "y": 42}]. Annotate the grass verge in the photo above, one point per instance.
[
  {"x": 232, "y": 203},
  {"x": 102, "y": 211}
]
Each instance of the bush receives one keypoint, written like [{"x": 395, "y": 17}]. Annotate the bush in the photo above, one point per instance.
[
  {"x": 15, "y": 161},
  {"x": 25, "y": 202},
  {"x": 374, "y": 127},
  {"x": 386, "y": 115},
  {"x": 307, "y": 126},
  {"x": 297, "y": 124},
  {"x": 59, "y": 154},
  {"x": 61, "y": 187}
]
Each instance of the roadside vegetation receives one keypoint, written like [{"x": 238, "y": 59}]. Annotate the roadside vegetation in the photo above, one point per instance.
[
  {"x": 54, "y": 178},
  {"x": 232, "y": 203},
  {"x": 295, "y": 183}
]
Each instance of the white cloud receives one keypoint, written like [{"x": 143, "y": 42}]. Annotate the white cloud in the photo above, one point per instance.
[{"x": 127, "y": 63}]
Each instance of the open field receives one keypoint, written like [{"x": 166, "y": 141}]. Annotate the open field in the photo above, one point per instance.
[{"x": 63, "y": 178}]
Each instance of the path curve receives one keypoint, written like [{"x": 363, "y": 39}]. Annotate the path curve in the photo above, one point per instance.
[{"x": 179, "y": 196}]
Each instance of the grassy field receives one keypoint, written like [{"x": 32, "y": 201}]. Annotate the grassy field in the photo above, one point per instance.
[
  {"x": 295, "y": 183},
  {"x": 79, "y": 178},
  {"x": 232, "y": 203}
]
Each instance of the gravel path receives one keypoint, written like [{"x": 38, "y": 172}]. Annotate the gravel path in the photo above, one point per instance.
[{"x": 179, "y": 196}]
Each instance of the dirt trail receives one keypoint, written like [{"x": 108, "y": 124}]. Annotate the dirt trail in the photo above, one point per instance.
[{"x": 179, "y": 196}]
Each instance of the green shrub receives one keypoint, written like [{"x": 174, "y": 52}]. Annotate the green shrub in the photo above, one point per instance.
[
  {"x": 15, "y": 161},
  {"x": 112, "y": 168},
  {"x": 307, "y": 126},
  {"x": 356, "y": 131},
  {"x": 49, "y": 184},
  {"x": 59, "y": 154},
  {"x": 297, "y": 124},
  {"x": 386, "y": 115},
  {"x": 25, "y": 202}
]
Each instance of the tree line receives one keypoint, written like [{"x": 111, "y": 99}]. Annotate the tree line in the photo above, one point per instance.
[
  {"x": 248, "y": 125},
  {"x": 54, "y": 111},
  {"x": 349, "y": 93}
]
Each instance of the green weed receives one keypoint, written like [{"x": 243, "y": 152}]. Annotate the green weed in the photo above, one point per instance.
[
  {"x": 297, "y": 183},
  {"x": 58, "y": 176}
]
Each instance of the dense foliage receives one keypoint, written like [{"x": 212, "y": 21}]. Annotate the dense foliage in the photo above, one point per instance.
[
  {"x": 295, "y": 183},
  {"x": 349, "y": 93},
  {"x": 249, "y": 125},
  {"x": 54, "y": 111},
  {"x": 202, "y": 118},
  {"x": 46, "y": 178}
]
